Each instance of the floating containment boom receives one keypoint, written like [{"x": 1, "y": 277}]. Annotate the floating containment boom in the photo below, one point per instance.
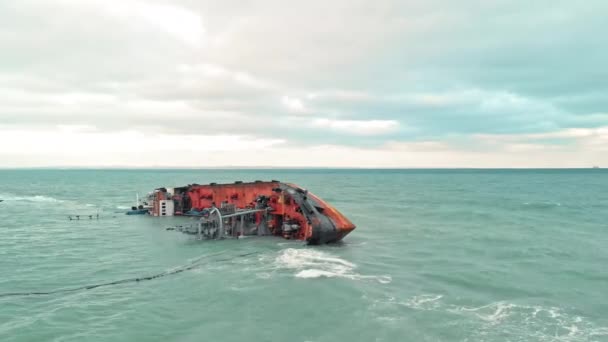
[{"x": 255, "y": 208}]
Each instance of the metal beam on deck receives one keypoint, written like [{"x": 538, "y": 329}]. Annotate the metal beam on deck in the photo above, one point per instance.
[{"x": 243, "y": 212}]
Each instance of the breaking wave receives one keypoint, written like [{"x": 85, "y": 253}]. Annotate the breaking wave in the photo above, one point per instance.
[
  {"x": 542, "y": 323},
  {"x": 541, "y": 205},
  {"x": 515, "y": 321},
  {"x": 34, "y": 198},
  {"x": 311, "y": 263},
  {"x": 423, "y": 302}
]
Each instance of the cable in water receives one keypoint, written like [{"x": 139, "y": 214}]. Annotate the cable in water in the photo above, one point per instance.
[{"x": 194, "y": 264}]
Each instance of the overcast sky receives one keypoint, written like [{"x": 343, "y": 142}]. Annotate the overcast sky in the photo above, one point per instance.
[{"x": 393, "y": 83}]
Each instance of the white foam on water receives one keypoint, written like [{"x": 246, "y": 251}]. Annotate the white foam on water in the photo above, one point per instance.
[
  {"x": 423, "y": 302},
  {"x": 385, "y": 279},
  {"x": 492, "y": 313},
  {"x": 41, "y": 198},
  {"x": 263, "y": 275},
  {"x": 311, "y": 264},
  {"x": 519, "y": 322},
  {"x": 427, "y": 298},
  {"x": 122, "y": 207},
  {"x": 542, "y": 204},
  {"x": 312, "y": 273},
  {"x": 35, "y": 198}
]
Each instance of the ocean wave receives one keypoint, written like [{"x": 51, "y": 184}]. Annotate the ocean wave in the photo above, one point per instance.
[
  {"x": 263, "y": 275},
  {"x": 517, "y": 321},
  {"x": 311, "y": 264},
  {"x": 537, "y": 322},
  {"x": 34, "y": 198},
  {"x": 541, "y": 205},
  {"x": 423, "y": 302}
]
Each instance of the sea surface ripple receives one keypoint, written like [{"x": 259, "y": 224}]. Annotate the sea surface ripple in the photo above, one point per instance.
[{"x": 438, "y": 255}]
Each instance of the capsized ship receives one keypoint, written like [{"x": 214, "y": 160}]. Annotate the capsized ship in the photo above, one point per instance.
[{"x": 255, "y": 208}]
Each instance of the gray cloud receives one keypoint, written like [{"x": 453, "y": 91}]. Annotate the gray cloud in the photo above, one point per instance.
[{"x": 227, "y": 67}]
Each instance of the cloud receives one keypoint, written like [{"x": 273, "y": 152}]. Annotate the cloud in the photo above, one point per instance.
[
  {"x": 358, "y": 127},
  {"x": 393, "y": 77},
  {"x": 293, "y": 105},
  {"x": 572, "y": 139},
  {"x": 85, "y": 146},
  {"x": 177, "y": 21}
]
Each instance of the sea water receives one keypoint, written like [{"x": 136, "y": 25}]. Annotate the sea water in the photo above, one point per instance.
[{"x": 438, "y": 255}]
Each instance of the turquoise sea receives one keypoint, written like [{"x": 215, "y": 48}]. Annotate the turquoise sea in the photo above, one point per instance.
[{"x": 438, "y": 255}]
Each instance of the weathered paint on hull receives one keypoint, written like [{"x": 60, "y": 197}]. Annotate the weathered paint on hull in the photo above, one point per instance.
[{"x": 288, "y": 205}]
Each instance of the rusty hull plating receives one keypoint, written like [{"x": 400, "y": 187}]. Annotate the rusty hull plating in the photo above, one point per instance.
[{"x": 254, "y": 208}]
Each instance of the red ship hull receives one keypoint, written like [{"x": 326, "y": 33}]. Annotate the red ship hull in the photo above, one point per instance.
[{"x": 263, "y": 208}]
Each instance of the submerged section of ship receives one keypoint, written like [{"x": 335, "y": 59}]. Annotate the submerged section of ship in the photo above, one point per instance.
[{"x": 256, "y": 208}]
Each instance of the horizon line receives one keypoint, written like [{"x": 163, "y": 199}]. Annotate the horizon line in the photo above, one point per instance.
[{"x": 227, "y": 167}]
